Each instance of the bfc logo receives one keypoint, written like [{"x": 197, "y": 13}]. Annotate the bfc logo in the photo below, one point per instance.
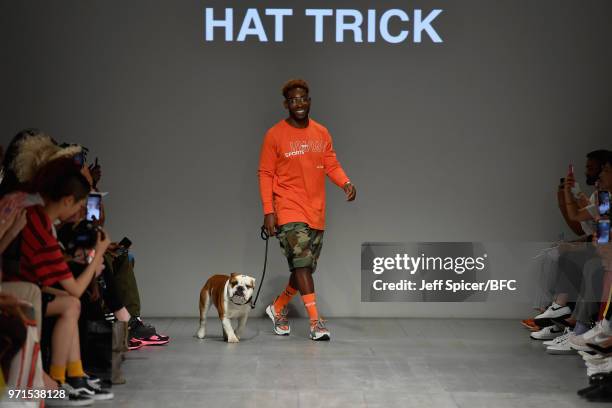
[{"x": 301, "y": 147}]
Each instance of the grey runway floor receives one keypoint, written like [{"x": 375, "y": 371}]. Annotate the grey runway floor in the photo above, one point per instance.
[{"x": 369, "y": 363}]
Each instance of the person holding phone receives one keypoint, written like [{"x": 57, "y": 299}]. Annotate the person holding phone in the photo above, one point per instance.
[
  {"x": 584, "y": 308},
  {"x": 594, "y": 163},
  {"x": 94, "y": 202},
  {"x": 603, "y": 203},
  {"x": 296, "y": 155},
  {"x": 569, "y": 262},
  {"x": 119, "y": 272},
  {"x": 64, "y": 191},
  {"x": 603, "y": 220},
  {"x": 576, "y": 209}
]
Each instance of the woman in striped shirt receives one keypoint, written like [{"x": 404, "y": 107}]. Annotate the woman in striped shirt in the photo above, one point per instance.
[{"x": 64, "y": 191}]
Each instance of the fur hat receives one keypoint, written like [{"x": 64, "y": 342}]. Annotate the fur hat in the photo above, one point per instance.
[{"x": 34, "y": 152}]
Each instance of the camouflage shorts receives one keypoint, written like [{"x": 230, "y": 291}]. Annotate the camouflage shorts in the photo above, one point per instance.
[{"x": 300, "y": 244}]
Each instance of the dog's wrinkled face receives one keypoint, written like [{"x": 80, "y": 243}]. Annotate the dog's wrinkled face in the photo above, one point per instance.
[{"x": 240, "y": 288}]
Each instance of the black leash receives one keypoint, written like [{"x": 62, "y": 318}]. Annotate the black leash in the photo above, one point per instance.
[{"x": 264, "y": 235}]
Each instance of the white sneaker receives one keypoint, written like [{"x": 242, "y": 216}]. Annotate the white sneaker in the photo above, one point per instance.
[
  {"x": 590, "y": 357},
  {"x": 281, "y": 323},
  {"x": 578, "y": 342},
  {"x": 604, "y": 367},
  {"x": 560, "y": 339},
  {"x": 554, "y": 311},
  {"x": 547, "y": 333},
  {"x": 596, "y": 362},
  {"x": 606, "y": 331},
  {"x": 318, "y": 331},
  {"x": 562, "y": 347}
]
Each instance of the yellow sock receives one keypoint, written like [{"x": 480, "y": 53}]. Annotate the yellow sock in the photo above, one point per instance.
[
  {"x": 2, "y": 383},
  {"x": 75, "y": 369},
  {"x": 58, "y": 373},
  {"x": 311, "y": 306}
]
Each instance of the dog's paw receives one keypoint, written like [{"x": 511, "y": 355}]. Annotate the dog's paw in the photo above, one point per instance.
[
  {"x": 233, "y": 339},
  {"x": 201, "y": 334}
]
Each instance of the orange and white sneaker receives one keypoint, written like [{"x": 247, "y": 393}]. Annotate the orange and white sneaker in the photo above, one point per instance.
[
  {"x": 318, "y": 331},
  {"x": 530, "y": 324},
  {"x": 281, "y": 323}
]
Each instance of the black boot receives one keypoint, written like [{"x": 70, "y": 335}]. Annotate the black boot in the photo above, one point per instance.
[
  {"x": 594, "y": 382},
  {"x": 603, "y": 392}
]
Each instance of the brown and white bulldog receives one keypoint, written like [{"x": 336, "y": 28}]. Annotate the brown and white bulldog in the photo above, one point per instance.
[{"x": 231, "y": 295}]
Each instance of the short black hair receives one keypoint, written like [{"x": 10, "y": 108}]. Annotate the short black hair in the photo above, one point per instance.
[
  {"x": 599, "y": 155},
  {"x": 607, "y": 159},
  {"x": 61, "y": 178},
  {"x": 295, "y": 83}
]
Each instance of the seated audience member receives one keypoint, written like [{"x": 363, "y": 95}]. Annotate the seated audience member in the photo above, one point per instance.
[
  {"x": 572, "y": 269},
  {"x": 64, "y": 190},
  {"x": 605, "y": 184},
  {"x": 120, "y": 265},
  {"x": 94, "y": 308},
  {"x": 19, "y": 302},
  {"x": 12, "y": 334},
  {"x": 26, "y": 153},
  {"x": 589, "y": 276},
  {"x": 127, "y": 286},
  {"x": 31, "y": 147},
  {"x": 587, "y": 213},
  {"x": 12, "y": 327},
  {"x": 595, "y": 346}
]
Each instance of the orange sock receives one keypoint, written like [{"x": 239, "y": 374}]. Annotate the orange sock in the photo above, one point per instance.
[
  {"x": 284, "y": 298},
  {"x": 58, "y": 373},
  {"x": 75, "y": 369},
  {"x": 311, "y": 306}
]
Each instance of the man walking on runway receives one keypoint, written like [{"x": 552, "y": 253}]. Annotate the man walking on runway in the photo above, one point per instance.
[{"x": 296, "y": 155}]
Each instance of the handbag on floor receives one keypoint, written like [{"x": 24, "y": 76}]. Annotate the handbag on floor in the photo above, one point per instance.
[{"x": 25, "y": 372}]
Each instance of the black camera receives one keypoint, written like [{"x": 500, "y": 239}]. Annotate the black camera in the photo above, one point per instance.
[{"x": 83, "y": 236}]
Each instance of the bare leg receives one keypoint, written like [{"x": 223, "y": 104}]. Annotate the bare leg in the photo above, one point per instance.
[
  {"x": 75, "y": 348},
  {"x": 122, "y": 315},
  {"x": 49, "y": 382},
  {"x": 67, "y": 309},
  {"x": 301, "y": 279},
  {"x": 561, "y": 299}
]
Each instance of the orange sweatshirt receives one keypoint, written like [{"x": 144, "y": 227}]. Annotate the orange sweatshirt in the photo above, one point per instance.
[{"x": 292, "y": 168}]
